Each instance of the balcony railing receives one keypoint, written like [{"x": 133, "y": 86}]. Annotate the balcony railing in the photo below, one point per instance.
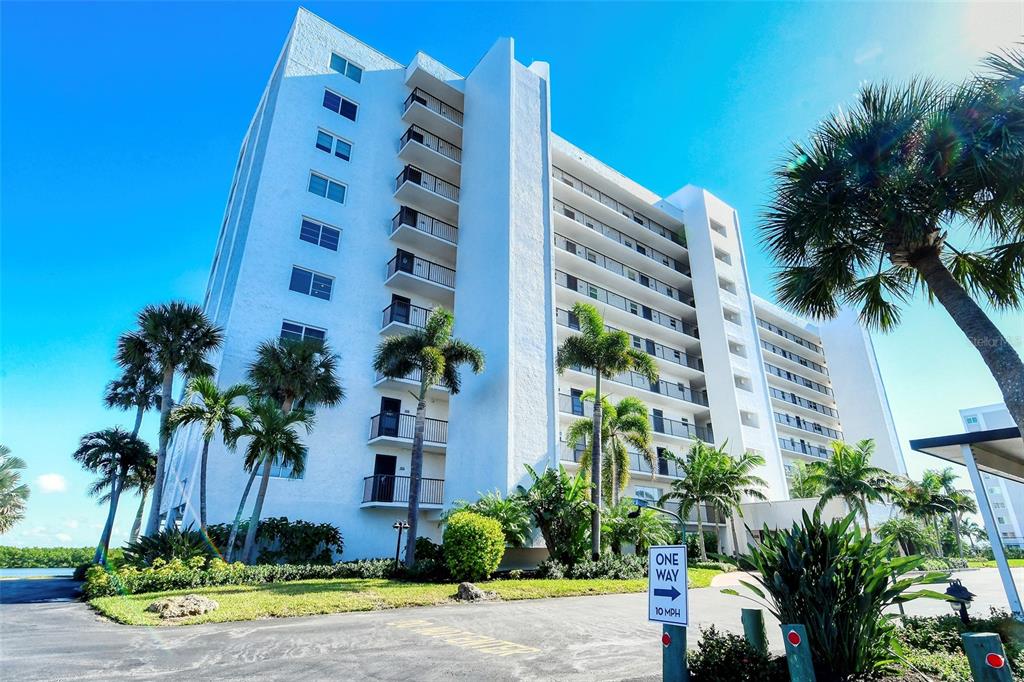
[
  {"x": 637, "y": 462},
  {"x": 622, "y": 303},
  {"x": 422, "y": 268},
  {"x": 804, "y": 448},
  {"x": 810, "y": 427},
  {"x": 416, "y": 176},
  {"x": 619, "y": 237},
  {"x": 434, "y": 104},
  {"x": 793, "y": 357},
  {"x": 405, "y": 313},
  {"x": 425, "y": 223},
  {"x": 797, "y": 379},
  {"x": 388, "y": 488},
  {"x": 433, "y": 142},
  {"x": 567, "y": 319},
  {"x": 620, "y": 269},
  {"x": 413, "y": 376},
  {"x": 570, "y": 404},
  {"x": 765, "y": 324},
  {"x": 399, "y": 425},
  {"x": 636, "y": 380},
  {"x": 802, "y": 402}
]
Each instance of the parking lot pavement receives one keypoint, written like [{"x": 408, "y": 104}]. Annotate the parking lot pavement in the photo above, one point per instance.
[{"x": 576, "y": 638}]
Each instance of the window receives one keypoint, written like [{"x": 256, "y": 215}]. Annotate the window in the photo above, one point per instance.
[
  {"x": 329, "y": 143},
  {"x": 280, "y": 470},
  {"x": 296, "y": 331},
  {"x": 325, "y": 187},
  {"x": 718, "y": 227},
  {"x": 971, "y": 420},
  {"x": 647, "y": 494},
  {"x": 346, "y": 68},
  {"x": 340, "y": 105},
  {"x": 310, "y": 283},
  {"x": 319, "y": 234}
]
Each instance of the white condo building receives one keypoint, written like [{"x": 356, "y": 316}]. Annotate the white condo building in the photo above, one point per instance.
[
  {"x": 368, "y": 192},
  {"x": 1005, "y": 496}
]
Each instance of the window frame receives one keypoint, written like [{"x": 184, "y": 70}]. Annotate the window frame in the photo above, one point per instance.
[
  {"x": 335, "y": 139},
  {"x": 342, "y": 99},
  {"x": 313, "y": 274},
  {"x": 305, "y": 328},
  {"x": 328, "y": 179},
  {"x": 348, "y": 63},
  {"x": 322, "y": 225}
]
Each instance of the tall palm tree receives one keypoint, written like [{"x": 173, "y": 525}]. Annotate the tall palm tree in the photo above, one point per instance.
[
  {"x": 112, "y": 453},
  {"x": 293, "y": 373},
  {"x": 625, "y": 426},
  {"x": 139, "y": 479},
  {"x": 172, "y": 337},
  {"x": 973, "y": 532},
  {"x": 957, "y": 501},
  {"x": 801, "y": 485},
  {"x": 437, "y": 356},
  {"x": 136, "y": 389},
  {"x": 925, "y": 500},
  {"x": 608, "y": 353},
  {"x": 272, "y": 438},
  {"x": 213, "y": 410},
  {"x": 848, "y": 474},
  {"x": 13, "y": 493},
  {"x": 702, "y": 471},
  {"x": 739, "y": 483},
  {"x": 862, "y": 213}
]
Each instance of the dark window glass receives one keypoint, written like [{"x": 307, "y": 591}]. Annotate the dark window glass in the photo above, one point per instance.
[
  {"x": 343, "y": 150},
  {"x": 301, "y": 280},
  {"x": 321, "y": 287},
  {"x": 336, "y": 192},
  {"x": 291, "y": 331},
  {"x": 318, "y": 184},
  {"x": 324, "y": 141},
  {"x": 329, "y": 237},
  {"x": 310, "y": 232},
  {"x": 348, "y": 109},
  {"x": 332, "y": 101},
  {"x": 354, "y": 72},
  {"x": 338, "y": 63}
]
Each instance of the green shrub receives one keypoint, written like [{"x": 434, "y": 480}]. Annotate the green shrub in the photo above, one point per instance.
[
  {"x": 552, "y": 569},
  {"x": 724, "y": 657},
  {"x": 710, "y": 543},
  {"x": 942, "y": 633},
  {"x": 713, "y": 565},
  {"x": 515, "y": 574},
  {"x": 938, "y": 563},
  {"x": 473, "y": 545},
  {"x": 281, "y": 541},
  {"x": 560, "y": 506},
  {"x": 49, "y": 557},
  {"x": 510, "y": 512},
  {"x": 613, "y": 566},
  {"x": 167, "y": 545},
  {"x": 430, "y": 564}
]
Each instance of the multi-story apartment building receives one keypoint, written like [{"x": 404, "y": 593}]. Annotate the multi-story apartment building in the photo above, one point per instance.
[
  {"x": 1005, "y": 496},
  {"x": 368, "y": 192}
]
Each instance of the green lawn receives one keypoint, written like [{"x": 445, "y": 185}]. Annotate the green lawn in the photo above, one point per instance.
[
  {"x": 981, "y": 563},
  {"x": 312, "y": 597}
]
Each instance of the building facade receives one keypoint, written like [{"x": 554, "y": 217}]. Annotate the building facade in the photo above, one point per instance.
[
  {"x": 368, "y": 192},
  {"x": 1005, "y": 496}
]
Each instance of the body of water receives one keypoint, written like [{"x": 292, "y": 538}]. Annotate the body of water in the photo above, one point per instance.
[{"x": 35, "y": 572}]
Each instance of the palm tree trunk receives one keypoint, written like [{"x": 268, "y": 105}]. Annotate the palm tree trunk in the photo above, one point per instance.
[
  {"x": 249, "y": 548},
  {"x": 700, "y": 534},
  {"x": 416, "y": 474},
  {"x": 108, "y": 528},
  {"x": 153, "y": 524},
  {"x": 867, "y": 523},
  {"x": 938, "y": 535},
  {"x": 139, "y": 411},
  {"x": 735, "y": 538},
  {"x": 956, "y": 534},
  {"x": 595, "y": 472},
  {"x": 238, "y": 515},
  {"x": 1002, "y": 361},
  {"x": 202, "y": 485},
  {"x": 137, "y": 524}
]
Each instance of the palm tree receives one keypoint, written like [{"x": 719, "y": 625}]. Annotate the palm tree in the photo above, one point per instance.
[
  {"x": 738, "y": 484},
  {"x": 608, "y": 353},
  {"x": 702, "y": 471},
  {"x": 911, "y": 537},
  {"x": 973, "y": 532},
  {"x": 848, "y": 474},
  {"x": 510, "y": 512},
  {"x": 958, "y": 501},
  {"x": 112, "y": 453},
  {"x": 272, "y": 438},
  {"x": 644, "y": 530},
  {"x": 136, "y": 389},
  {"x": 293, "y": 373},
  {"x": 139, "y": 479},
  {"x": 172, "y": 337},
  {"x": 862, "y": 214},
  {"x": 625, "y": 425},
  {"x": 925, "y": 500},
  {"x": 13, "y": 493},
  {"x": 214, "y": 410},
  {"x": 436, "y": 356},
  {"x": 801, "y": 485}
]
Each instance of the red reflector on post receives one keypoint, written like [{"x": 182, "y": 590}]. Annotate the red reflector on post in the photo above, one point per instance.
[
  {"x": 994, "y": 660},
  {"x": 793, "y": 637},
  {"x": 666, "y": 639}
]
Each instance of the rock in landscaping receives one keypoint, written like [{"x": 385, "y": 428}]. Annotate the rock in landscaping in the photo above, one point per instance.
[
  {"x": 470, "y": 592},
  {"x": 180, "y": 607}
]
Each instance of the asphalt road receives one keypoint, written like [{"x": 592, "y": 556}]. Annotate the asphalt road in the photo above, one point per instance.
[{"x": 46, "y": 635}]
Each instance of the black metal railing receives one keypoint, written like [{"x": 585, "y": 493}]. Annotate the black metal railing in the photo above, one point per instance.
[
  {"x": 400, "y": 425},
  {"x": 797, "y": 379},
  {"x": 420, "y": 177},
  {"x": 672, "y": 390},
  {"x": 388, "y": 488},
  {"x": 405, "y": 313},
  {"x": 804, "y": 448},
  {"x": 571, "y": 404},
  {"x": 413, "y": 376},
  {"x": 440, "y": 108},
  {"x": 765, "y": 324},
  {"x": 793, "y": 357},
  {"x": 422, "y": 268},
  {"x": 567, "y": 319},
  {"x": 802, "y": 402},
  {"x": 432, "y": 142},
  {"x": 809, "y": 426},
  {"x": 621, "y": 269},
  {"x": 425, "y": 223}
]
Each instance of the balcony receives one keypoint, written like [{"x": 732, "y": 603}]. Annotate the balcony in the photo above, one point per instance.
[
  {"x": 421, "y": 276},
  {"x": 410, "y": 380},
  {"x": 424, "y": 149},
  {"x": 382, "y": 490},
  {"x": 672, "y": 390},
  {"x": 808, "y": 426},
  {"x": 424, "y": 233},
  {"x": 803, "y": 448},
  {"x": 402, "y": 318},
  {"x": 637, "y": 462},
  {"x": 423, "y": 109},
  {"x": 793, "y": 357},
  {"x": 797, "y": 379},
  {"x": 806, "y": 404},
  {"x": 418, "y": 188},
  {"x": 789, "y": 336},
  {"x": 394, "y": 428},
  {"x": 569, "y": 404}
]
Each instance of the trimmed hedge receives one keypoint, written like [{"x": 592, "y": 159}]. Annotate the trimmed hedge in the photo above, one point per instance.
[
  {"x": 49, "y": 557},
  {"x": 473, "y": 545}
]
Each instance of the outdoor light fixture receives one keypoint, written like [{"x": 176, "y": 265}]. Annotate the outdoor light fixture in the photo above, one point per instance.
[
  {"x": 960, "y": 599},
  {"x": 399, "y": 526}
]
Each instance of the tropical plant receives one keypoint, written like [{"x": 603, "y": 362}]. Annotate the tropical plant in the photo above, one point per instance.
[
  {"x": 726, "y": 657},
  {"x": 973, "y": 532},
  {"x": 848, "y": 474},
  {"x": 560, "y": 507},
  {"x": 608, "y": 353},
  {"x": 907, "y": 534},
  {"x": 136, "y": 389},
  {"x": 167, "y": 545},
  {"x": 642, "y": 531},
  {"x": 958, "y": 501},
  {"x": 801, "y": 485},
  {"x": 293, "y": 373},
  {"x": 889, "y": 179},
  {"x": 172, "y": 337},
  {"x": 139, "y": 479},
  {"x": 701, "y": 472},
  {"x": 112, "y": 453},
  {"x": 836, "y": 582},
  {"x": 272, "y": 439},
  {"x": 13, "y": 493},
  {"x": 925, "y": 500},
  {"x": 282, "y": 541},
  {"x": 473, "y": 545},
  {"x": 510, "y": 512},
  {"x": 624, "y": 425},
  {"x": 738, "y": 483},
  {"x": 435, "y": 356},
  {"x": 213, "y": 410}
]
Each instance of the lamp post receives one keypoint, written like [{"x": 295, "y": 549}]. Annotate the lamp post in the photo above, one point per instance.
[
  {"x": 960, "y": 599},
  {"x": 399, "y": 526}
]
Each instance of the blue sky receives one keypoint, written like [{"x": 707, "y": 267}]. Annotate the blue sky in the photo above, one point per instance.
[{"x": 121, "y": 123}]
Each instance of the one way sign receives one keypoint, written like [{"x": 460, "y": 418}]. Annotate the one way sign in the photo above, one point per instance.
[{"x": 666, "y": 584}]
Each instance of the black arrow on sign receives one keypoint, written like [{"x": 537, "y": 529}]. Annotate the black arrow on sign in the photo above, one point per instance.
[{"x": 672, "y": 592}]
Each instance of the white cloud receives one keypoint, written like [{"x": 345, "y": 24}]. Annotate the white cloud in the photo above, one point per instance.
[
  {"x": 72, "y": 523},
  {"x": 51, "y": 483},
  {"x": 867, "y": 53},
  {"x": 63, "y": 537}
]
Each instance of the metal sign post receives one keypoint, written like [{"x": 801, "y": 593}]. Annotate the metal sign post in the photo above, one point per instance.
[{"x": 667, "y": 603}]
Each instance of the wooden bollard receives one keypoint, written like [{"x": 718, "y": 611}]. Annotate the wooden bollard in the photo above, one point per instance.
[
  {"x": 987, "y": 658},
  {"x": 798, "y": 653}
]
